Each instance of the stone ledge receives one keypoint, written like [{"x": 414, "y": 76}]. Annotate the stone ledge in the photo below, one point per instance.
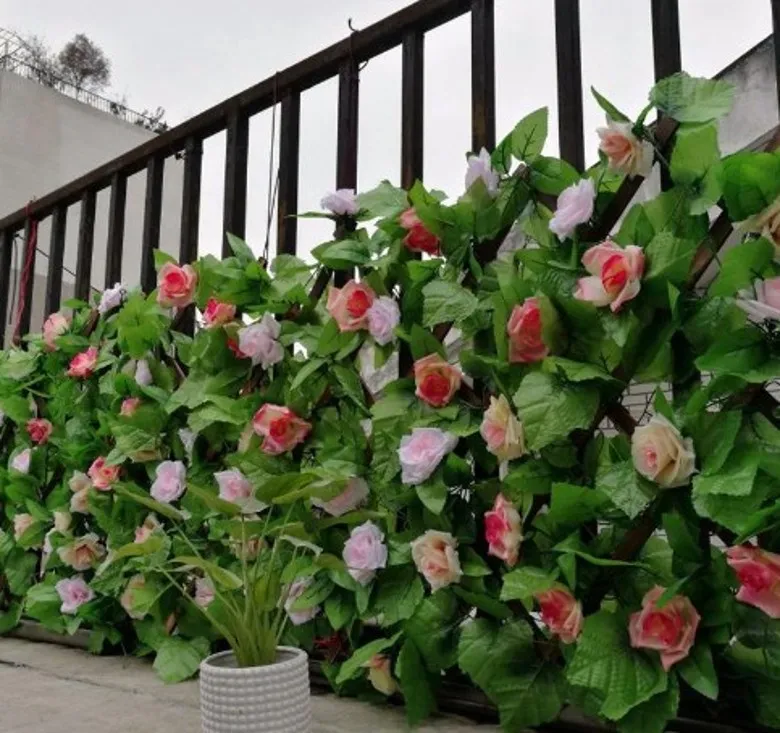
[{"x": 48, "y": 689}]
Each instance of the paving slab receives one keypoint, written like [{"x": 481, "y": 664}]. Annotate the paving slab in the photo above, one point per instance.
[{"x": 50, "y": 689}]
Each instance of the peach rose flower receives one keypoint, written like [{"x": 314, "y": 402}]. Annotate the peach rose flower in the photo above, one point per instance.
[
  {"x": 626, "y": 153},
  {"x": 280, "y": 428},
  {"x": 176, "y": 285},
  {"x": 437, "y": 381},
  {"x": 218, "y": 313},
  {"x": 102, "y": 475},
  {"x": 349, "y": 306},
  {"x": 615, "y": 275},
  {"x": 561, "y": 612},
  {"x": 82, "y": 365},
  {"x": 39, "y": 430},
  {"x": 380, "y": 674},
  {"x": 504, "y": 530},
  {"x": 54, "y": 326},
  {"x": 502, "y": 431},
  {"x": 435, "y": 555},
  {"x": 82, "y": 553},
  {"x": 670, "y": 630},
  {"x": 661, "y": 454},
  {"x": 22, "y": 522},
  {"x": 418, "y": 238},
  {"x": 758, "y": 572},
  {"x": 524, "y": 329}
]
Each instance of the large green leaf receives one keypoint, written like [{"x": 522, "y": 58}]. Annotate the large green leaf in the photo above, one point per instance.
[
  {"x": 751, "y": 182},
  {"x": 690, "y": 99},
  {"x": 605, "y": 663},
  {"x": 525, "y": 582},
  {"x": 342, "y": 255},
  {"x": 627, "y": 490},
  {"x": 741, "y": 266},
  {"x": 178, "y": 659},
  {"x": 446, "y": 301},
  {"x": 415, "y": 684},
  {"x": 529, "y": 135},
  {"x": 734, "y": 478},
  {"x": 654, "y": 715},
  {"x": 351, "y": 668},
  {"x": 399, "y": 591},
  {"x": 698, "y": 670},
  {"x": 432, "y": 628},
  {"x": 384, "y": 200},
  {"x": 550, "y": 408}
]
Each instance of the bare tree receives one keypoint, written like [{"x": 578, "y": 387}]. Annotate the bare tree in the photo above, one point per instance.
[
  {"x": 43, "y": 62},
  {"x": 84, "y": 64}
]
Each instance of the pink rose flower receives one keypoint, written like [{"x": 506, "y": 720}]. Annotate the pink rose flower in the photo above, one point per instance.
[
  {"x": 383, "y": 317},
  {"x": 176, "y": 285},
  {"x": 661, "y": 454},
  {"x": 348, "y": 500},
  {"x": 670, "y": 630},
  {"x": 349, "y": 306},
  {"x": 143, "y": 375},
  {"x": 502, "y": 431},
  {"x": 22, "y": 522},
  {"x": 83, "y": 552},
  {"x": 258, "y": 342},
  {"x": 481, "y": 168},
  {"x": 82, "y": 365},
  {"x": 295, "y": 590},
  {"x": 504, "y": 530},
  {"x": 39, "y": 430},
  {"x": 129, "y": 406},
  {"x": 102, "y": 475},
  {"x": 54, "y": 326},
  {"x": 112, "y": 298},
  {"x": 575, "y": 207},
  {"x": 342, "y": 202},
  {"x": 170, "y": 481},
  {"x": 615, "y": 275},
  {"x": 147, "y": 529},
  {"x": 627, "y": 154},
  {"x": 422, "y": 451},
  {"x": 204, "y": 592},
  {"x": 763, "y": 302},
  {"x": 218, "y": 313},
  {"x": 758, "y": 572},
  {"x": 418, "y": 238},
  {"x": 525, "y": 333},
  {"x": 74, "y": 593},
  {"x": 434, "y": 554},
  {"x": 436, "y": 380},
  {"x": 380, "y": 675},
  {"x": 280, "y": 428},
  {"x": 365, "y": 552},
  {"x": 561, "y": 613},
  {"x": 21, "y": 461},
  {"x": 233, "y": 486},
  {"x": 128, "y": 600}
]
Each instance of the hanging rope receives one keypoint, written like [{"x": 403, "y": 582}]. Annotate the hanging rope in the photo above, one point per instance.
[
  {"x": 24, "y": 283},
  {"x": 273, "y": 186}
]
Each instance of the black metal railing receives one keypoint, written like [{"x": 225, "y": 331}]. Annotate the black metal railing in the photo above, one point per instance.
[{"x": 407, "y": 29}]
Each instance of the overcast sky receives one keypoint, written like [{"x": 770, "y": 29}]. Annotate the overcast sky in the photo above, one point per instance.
[{"x": 186, "y": 56}]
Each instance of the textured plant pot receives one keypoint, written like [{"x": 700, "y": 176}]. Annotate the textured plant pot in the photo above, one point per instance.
[{"x": 272, "y": 699}]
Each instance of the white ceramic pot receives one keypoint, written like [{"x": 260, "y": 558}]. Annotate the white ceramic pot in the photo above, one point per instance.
[{"x": 271, "y": 699}]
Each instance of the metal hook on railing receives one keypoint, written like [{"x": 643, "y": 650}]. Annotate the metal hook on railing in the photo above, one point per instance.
[{"x": 354, "y": 30}]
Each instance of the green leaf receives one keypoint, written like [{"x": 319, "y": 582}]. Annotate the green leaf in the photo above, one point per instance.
[
  {"x": 698, "y": 670},
  {"x": 135, "y": 494},
  {"x": 220, "y": 576},
  {"x": 695, "y": 153},
  {"x": 654, "y": 715},
  {"x": 523, "y": 583},
  {"x": 18, "y": 364},
  {"x": 339, "y": 609},
  {"x": 550, "y": 175},
  {"x": 433, "y": 494},
  {"x": 669, "y": 258},
  {"x": 399, "y": 591},
  {"x": 714, "y": 435},
  {"x": 740, "y": 353},
  {"x": 19, "y": 570},
  {"x": 472, "y": 564},
  {"x": 140, "y": 325},
  {"x": 735, "y": 478},
  {"x": 502, "y": 662},
  {"x": 433, "y": 627},
  {"x": 9, "y": 619},
  {"x": 575, "y": 371},
  {"x": 550, "y": 410},
  {"x": 349, "y": 380},
  {"x": 446, "y": 301},
  {"x": 423, "y": 342},
  {"x": 572, "y": 505},
  {"x": 415, "y": 684},
  {"x": 553, "y": 332},
  {"x": 314, "y": 594},
  {"x": 161, "y": 258},
  {"x": 612, "y": 112},
  {"x": 342, "y": 255},
  {"x": 529, "y": 135},
  {"x": 484, "y": 602},
  {"x": 605, "y": 663},
  {"x": 384, "y": 200},
  {"x": 741, "y": 266},
  {"x": 212, "y": 500},
  {"x": 625, "y": 488},
  {"x": 16, "y": 408},
  {"x": 691, "y": 99},
  {"x": 178, "y": 659},
  {"x": 240, "y": 249},
  {"x": 352, "y": 667},
  {"x": 751, "y": 183}
]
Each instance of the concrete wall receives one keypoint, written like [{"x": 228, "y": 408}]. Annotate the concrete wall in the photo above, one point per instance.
[{"x": 47, "y": 140}]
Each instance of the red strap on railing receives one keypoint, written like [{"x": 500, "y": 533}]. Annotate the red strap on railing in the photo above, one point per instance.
[{"x": 24, "y": 282}]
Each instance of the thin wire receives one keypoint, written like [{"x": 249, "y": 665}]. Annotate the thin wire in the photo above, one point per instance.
[
  {"x": 14, "y": 291},
  {"x": 272, "y": 187}
]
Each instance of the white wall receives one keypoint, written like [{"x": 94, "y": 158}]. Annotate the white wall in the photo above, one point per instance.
[{"x": 47, "y": 140}]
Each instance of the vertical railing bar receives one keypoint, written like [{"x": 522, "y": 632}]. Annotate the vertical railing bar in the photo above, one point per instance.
[
  {"x": 86, "y": 241},
  {"x": 289, "y": 156},
  {"x": 347, "y": 146},
  {"x": 150, "y": 239},
  {"x": 412, "y": 107},
  {"x": 116, "y": 229},
  {"x": 59, "y": 221},
  {"x": 667, "y": 58},
  {"x": 236, "y": 162},
  {"x": 6, "y": 251},
  {"x": 27, "y": 282},
  {"x": 190, "y": 215},
  {"x": 569, "y": 62},
  {"x": 483, "y": 75},
  {"x": 776, "y": 41}
]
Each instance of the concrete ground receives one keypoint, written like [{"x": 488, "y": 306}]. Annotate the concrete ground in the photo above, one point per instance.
[{"x": 51, "y": 689}]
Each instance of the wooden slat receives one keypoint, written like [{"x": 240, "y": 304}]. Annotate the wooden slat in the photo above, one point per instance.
[
  {"x": 150, "y": 239},
  {"x": 59, "y": 221},
  {"x": 289, "y": 167},
  {"x": 569, "y": 61},
  {"x": 6, "y": 252},
  {"x": 666, "y": 38},
  {"x": 190, "y": 202},
  {"x": 86, "y": 242},
  {"x": 236, "y": 162},
  {"x": 116, "y": 230},
  {"x": 28, "y": 284},
  {"x": 412, "y": 104},
  {"x": 483, "y": 76}
]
